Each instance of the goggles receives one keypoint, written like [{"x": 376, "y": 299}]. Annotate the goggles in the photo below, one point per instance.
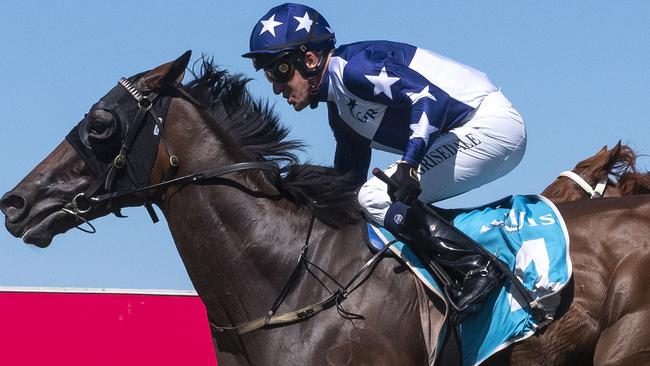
[{"x": 281, "y": 70}]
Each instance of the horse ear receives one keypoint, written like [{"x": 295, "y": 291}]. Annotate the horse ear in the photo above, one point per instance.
[
  {"x": 604, "y": 160},
  {"x": 597, "y": 162},
  {"x": 169, "y": 74},
  {"x": 177, "y": 70},
  {"x": 613, "y": 153},
  {"x": 601, "y": 153}
]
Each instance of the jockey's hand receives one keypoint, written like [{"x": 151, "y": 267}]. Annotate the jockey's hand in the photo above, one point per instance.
[{"x": 409, "y": 184}]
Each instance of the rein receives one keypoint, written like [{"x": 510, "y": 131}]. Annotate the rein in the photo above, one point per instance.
[
  {"x": 595, "y": 192},
  {"x": 195, "y": 178}
]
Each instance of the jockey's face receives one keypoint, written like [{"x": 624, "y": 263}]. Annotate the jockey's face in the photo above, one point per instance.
[{"x": 296, "y": 89}]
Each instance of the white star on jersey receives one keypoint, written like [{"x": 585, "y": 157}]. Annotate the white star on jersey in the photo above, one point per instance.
[
  {"x": 269, "y": 25},
  {"x": 423, "y": 129},
  {"x": 382, "y": 82},
  {"x": 422, "y": 94},
  {"x": 304, "y": 22}
]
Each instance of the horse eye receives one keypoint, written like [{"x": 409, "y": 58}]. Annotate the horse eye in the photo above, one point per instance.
[
  {"x": 97, "y": 127},
  {"x": 100, "y": 124}
]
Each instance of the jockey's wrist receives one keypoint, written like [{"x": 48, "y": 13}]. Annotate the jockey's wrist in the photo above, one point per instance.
[{"x": 407, "y": 163}]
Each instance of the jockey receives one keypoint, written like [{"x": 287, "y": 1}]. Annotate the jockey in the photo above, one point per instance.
[{"x": 454, "y": 130}]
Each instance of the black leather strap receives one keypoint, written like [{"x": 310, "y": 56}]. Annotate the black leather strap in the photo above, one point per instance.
[{"x": 195, "y": 178}]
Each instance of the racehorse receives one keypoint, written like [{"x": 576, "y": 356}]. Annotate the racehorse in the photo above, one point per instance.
[
  {"x": 241, "y": 228},
  {"x": 608, "y": 173}
]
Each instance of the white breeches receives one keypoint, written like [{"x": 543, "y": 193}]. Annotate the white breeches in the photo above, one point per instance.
[{"x": 486, "y": 147}]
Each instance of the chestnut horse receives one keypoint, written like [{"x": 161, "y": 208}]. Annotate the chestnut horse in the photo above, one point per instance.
[
  {"x": 241, "y": 228},
  {"x": 608, "y": 173}
]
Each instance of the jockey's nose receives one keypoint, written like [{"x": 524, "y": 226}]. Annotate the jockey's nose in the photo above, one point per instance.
[
  {"x": 278, "y": 87},
  {"x": 13, "y": 206}
]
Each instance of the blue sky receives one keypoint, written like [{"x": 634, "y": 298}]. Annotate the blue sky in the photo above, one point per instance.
[{"x": 577, "y": 71}]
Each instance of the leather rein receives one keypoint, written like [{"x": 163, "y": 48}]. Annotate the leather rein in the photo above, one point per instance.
[{"x": 83, "y": 203}]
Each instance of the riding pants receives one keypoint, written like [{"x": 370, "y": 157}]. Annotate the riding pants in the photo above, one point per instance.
[{"x": 488, "y": 146}]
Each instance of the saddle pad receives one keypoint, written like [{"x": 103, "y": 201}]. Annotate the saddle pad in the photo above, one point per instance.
[{"x": 529, "y": 235}]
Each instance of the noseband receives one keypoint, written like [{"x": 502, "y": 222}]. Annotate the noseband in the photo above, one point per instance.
[{"x": 595, "y": 192}]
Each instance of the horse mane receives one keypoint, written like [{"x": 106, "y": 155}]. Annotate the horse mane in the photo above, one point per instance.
[{"x": 255, "y": 128}]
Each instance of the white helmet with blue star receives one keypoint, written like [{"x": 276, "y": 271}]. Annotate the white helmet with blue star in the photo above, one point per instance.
[{"x": 285, "y": 29}]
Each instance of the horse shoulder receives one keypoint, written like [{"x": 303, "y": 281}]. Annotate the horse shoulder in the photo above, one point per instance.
[{"x": 627, "y": 307}]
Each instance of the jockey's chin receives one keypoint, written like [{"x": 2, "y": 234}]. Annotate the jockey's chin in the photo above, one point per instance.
[
  {"x": 299, "y": 104},
  {"x": 300, "y": 107}
]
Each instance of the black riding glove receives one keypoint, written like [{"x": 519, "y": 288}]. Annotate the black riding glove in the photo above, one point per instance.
[{"x": 409, "y": 184}]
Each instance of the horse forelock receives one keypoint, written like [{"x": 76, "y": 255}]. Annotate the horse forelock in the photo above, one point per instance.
[{"x": 255, "y": 128}]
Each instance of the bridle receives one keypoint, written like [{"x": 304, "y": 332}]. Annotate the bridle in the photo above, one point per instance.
[
  {"x": 83, "y": 202},
  {"x": 595, "y": 192}
]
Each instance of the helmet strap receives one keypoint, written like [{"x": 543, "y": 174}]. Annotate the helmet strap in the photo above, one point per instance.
[
  {"x": 313, "y": 92},
  {"x": 313, "y": 75}
]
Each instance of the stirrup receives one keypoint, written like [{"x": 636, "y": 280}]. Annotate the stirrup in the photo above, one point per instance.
[{"x": 491, "y": 279}]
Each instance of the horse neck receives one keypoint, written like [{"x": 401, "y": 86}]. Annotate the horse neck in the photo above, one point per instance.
[{"x": 239, "y": 250}]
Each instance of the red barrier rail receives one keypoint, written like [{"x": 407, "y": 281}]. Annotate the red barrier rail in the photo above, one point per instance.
[{"x": 54, "y": 326}]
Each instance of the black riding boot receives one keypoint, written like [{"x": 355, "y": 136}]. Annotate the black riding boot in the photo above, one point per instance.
[{"x": 433, "y": 236}]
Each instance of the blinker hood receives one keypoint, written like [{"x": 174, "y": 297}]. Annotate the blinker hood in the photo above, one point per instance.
[{"x": 99, "y": 156}]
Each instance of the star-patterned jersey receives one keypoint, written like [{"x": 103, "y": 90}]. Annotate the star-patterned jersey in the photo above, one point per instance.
[{"x": 395, "y": 97}]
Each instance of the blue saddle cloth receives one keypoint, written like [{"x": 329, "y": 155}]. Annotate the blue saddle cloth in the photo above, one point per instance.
[{"x": 529, "y": 235}]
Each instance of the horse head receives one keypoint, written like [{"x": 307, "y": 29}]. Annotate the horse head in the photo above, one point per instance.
[
  {"x": 590, "y": 178},
  {"x": 100, "y": 155}
]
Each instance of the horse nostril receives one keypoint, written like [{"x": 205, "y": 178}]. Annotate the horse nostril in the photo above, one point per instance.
[{"x": 12, "y": 205}]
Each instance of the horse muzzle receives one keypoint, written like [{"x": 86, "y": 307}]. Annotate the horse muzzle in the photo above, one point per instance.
[
  {"x": 14, "y": 207},
  {"x": 35, "y": 224}
]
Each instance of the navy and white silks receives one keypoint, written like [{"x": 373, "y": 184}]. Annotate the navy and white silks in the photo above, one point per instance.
[{"x": 440, "y": 115}]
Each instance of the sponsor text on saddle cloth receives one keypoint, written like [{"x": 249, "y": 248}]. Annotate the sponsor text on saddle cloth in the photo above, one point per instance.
[{"x": 529, "y": 235}]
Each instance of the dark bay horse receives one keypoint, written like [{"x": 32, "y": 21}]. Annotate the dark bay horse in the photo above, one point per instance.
[
  {"x": 240, "y": 233},
  {"x": 608, "y": 173}
]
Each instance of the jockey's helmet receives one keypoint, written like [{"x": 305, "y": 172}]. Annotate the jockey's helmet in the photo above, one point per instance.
[{"x": 288, "y": 29}]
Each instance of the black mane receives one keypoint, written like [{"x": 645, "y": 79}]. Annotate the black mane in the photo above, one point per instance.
[{"x": 256, "y": 129}]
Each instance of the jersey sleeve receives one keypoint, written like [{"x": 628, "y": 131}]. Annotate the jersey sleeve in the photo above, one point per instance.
[{"x": 384, "y": 77}]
